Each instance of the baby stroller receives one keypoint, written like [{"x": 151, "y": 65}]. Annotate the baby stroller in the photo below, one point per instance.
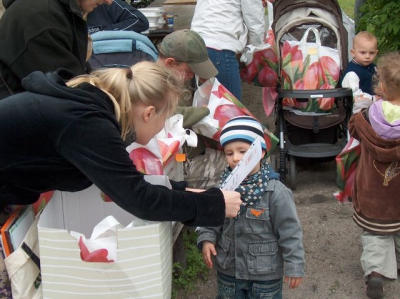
[
  {"x": 120, "y": 49},
  {"x": 311, "y": 112}
]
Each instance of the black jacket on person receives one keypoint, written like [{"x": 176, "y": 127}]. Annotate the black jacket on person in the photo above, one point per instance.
[
  {"x": 40, "y": 35},
  {"x": 117, "y": 16},
  {"x": 54, "y": 137}
]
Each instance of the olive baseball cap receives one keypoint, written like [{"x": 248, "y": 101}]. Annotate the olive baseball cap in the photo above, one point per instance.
[{"x": 189, "y": 47}]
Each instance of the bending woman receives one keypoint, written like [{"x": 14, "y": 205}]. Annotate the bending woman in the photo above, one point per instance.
[{"x": 59, "y": 136}]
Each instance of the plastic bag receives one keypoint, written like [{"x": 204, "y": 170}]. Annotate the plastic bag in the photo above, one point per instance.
[
  {"x": 260, "y": 63},
  {"x": 309, "y": 66},
  {"x": 152, "y": 157},
  {"x": 223, "y": 106}
]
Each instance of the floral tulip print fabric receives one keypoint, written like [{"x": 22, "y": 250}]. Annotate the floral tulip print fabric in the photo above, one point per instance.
[
  {"x": 223, "y": 106},
  {"x": 346, "y": 167},
  {"x": 309, "y": 66},
  {"x": 260, "y": 62}
]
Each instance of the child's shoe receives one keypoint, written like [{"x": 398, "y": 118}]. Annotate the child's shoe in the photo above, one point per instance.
[{"x": 375, "y": 286}]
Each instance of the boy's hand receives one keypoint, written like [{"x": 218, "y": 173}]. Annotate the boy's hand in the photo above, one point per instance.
[
  {"x": 208, "y": 250},
  {"x": 294, "y": 282}
]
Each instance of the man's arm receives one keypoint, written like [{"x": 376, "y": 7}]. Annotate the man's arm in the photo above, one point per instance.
[{"x": 126, "y": 17}]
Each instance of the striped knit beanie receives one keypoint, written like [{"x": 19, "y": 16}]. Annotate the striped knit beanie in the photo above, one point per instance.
[{"x": 242, "y": 128}]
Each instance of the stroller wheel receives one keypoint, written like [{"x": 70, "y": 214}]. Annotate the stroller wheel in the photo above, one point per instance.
[{"x": 293, "y": 175}]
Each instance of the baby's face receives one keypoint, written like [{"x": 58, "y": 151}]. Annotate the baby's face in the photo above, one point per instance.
[{"x": 364, "y": 51}]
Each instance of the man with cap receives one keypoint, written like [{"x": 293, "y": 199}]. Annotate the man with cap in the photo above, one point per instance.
[{"x": 185, "y": 52}]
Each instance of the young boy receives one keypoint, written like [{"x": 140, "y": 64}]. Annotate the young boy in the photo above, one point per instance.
[
  {"x": 264, "y": 243},
  {"x": 360, "y": 71}
]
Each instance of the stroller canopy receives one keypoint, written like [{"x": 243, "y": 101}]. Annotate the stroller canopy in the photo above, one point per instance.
[{"x": 291, "y": 13}]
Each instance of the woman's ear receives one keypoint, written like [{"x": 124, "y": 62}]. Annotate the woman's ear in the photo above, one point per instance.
[{"x": 148, "y": 113}]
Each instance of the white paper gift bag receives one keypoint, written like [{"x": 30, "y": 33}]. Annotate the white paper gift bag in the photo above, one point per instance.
[{"x": 143, "y": 266}]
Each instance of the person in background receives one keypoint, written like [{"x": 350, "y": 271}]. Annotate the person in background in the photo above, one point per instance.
[
  {"x": 118, "y": 16},
  {"x": 73, "y": 138},
  {"x": 227, "y": 27},
  {"x": 264, "y": 242},
  {"x": 42, "y": 36},
  {"x": 376, "y": 200},
  {"x": 185, "y": 52},
  {"x": 360, "y": 71}
]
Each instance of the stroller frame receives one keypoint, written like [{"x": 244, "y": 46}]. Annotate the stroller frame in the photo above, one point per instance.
[
  {"x": 289, "y": 15},
  {"x": 289, "y": 151}
]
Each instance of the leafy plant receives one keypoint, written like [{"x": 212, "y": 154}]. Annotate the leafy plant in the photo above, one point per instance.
[
  {"x": 380, "y": 17},
  {"x": 184, "y": 279}
]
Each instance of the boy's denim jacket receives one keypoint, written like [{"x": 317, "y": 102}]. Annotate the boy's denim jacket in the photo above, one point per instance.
[{"x": 264, "y": 242}]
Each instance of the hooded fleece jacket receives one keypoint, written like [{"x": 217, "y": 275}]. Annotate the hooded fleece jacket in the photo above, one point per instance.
[
  {"x": 54, "y": 137},
  {"x": 40, "y": 35},
  {"x": 376, "y": 199}
]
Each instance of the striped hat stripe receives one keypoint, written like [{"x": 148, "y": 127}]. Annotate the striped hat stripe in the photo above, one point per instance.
[{"x": 242, "y": 128}]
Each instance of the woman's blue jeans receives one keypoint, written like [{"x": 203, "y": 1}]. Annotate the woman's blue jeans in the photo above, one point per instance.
[
  {"x": 232, "y": 288},
  {"x": 228, "y": 70}
]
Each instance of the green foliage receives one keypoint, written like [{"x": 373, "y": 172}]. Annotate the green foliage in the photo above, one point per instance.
[
  {"x": 348, "y": 7},
  {"x": 380, "y": 17},
  {"x": 184, "y": 280}
]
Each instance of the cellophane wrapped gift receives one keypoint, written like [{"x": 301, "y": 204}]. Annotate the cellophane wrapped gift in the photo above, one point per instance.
[
  {"x": 259, "y": 63},
  {"x": 154, "y": 156},
  {"x": 223, "y": 106},
  {"x": 346, "y": 167}
]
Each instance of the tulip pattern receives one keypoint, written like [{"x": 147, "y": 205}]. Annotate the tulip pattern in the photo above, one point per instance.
[
  {"x": 309, "y": 66},
  {"x": 223, "y": 106},
  {"x": 262, "y": 69},
  {"x": 346, "y": 167},
  {"x": 261, "y": 66}
]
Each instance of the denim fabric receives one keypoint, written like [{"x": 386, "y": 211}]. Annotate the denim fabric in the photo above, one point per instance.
[
  {"x": 228, "y": 70},
  {"x": 232, "y": 288},
  {"x": 264, "y": 243}
]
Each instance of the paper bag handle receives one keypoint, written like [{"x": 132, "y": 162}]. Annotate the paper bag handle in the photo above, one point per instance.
[{"x": 31, "y": 254}]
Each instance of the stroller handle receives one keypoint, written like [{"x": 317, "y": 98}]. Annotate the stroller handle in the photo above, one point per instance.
[{"x": 316, "y": 93}]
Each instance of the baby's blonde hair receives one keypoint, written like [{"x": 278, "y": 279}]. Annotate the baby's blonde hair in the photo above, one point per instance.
[
  {"x": 364, "y": 35},
  {"x": 146, "y": 82},
  {"x": 388, "y": 75}
]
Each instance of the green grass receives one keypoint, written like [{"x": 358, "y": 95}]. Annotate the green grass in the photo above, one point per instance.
[{"x": 348, "y": 7}]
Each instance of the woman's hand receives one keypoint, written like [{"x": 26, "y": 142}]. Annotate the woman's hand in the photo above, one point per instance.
[{"x": 232, "y": 203}]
